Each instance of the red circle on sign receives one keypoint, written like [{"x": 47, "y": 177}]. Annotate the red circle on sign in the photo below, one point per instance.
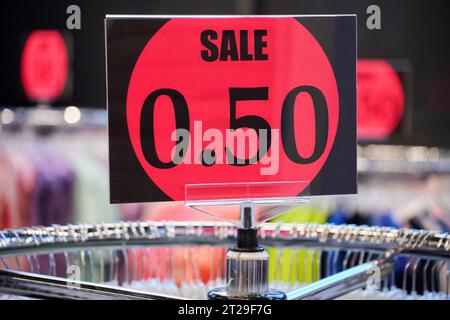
[
  {"x": 380, "y": 99},
  {"x": 44, "y": 65},
  {"x": 172, "y": 59}
]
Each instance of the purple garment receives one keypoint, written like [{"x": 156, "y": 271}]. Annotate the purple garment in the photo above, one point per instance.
[
  {"x": 55, "y": 183},
  {"x": 53, "y": 197}
]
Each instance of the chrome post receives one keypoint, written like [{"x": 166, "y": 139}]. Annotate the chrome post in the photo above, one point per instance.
[{"x": 247, "y": 265}]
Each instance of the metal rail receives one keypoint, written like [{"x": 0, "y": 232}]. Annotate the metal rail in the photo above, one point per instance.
[
  {"x": 47, "y": 287},
  {"x": 136, "y": 234}
]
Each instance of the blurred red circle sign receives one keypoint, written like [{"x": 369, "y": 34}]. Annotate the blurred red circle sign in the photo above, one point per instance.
[
  {"x": 44, "y": 65},
  {"x": 380, "y": 99},
  {"x": 221, "y": 74}
]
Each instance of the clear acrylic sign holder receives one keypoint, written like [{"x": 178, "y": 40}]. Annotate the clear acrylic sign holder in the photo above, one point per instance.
[{"x": 247, "y": 205}]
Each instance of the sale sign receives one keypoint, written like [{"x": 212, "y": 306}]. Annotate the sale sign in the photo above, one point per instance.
[
  {"x": 382, "y": 99},
  {"x": 265, "y": 106}
]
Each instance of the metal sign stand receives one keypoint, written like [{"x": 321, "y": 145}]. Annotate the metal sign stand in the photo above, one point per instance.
[{"x": 247, "y": 263}]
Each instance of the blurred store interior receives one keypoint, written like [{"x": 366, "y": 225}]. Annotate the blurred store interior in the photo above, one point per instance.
[
  {"x": 53, "y": 152},
  {"x": 403, "y": 153}
]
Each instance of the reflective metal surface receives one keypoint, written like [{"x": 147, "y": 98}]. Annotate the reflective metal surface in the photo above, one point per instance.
[
  {"x": 247, "y": 273},
  {"x": 344, "y": 282},
  {"x": 47, "y": 287},
  {"x": 66, "y": 238}
]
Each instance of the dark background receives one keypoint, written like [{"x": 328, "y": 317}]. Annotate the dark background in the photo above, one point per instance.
[{"x": 416, "y": 30}]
